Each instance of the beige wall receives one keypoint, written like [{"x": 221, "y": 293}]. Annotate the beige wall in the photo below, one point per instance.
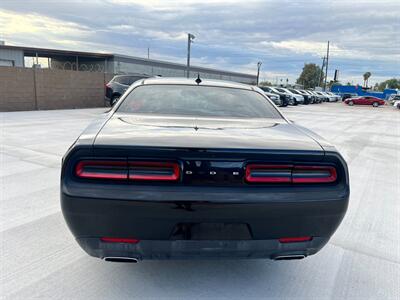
[
  {"x": 17, "y": 90},
  {"x": 29, "y": 89}
]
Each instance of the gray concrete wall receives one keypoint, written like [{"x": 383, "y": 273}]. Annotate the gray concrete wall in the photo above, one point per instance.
[{"x": 30, "y": 89}]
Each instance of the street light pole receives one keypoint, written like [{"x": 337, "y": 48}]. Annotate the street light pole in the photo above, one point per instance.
[
  {"x": 190, "y": 40},
  {"x": 258, "y": 71},
  {"x": 326, "y": 67}
]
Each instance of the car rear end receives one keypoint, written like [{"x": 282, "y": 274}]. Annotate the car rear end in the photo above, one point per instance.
[{"x": 190, "y": 203}]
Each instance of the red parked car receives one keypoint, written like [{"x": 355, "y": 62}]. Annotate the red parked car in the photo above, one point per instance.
[{"x": 365, "y": 100}]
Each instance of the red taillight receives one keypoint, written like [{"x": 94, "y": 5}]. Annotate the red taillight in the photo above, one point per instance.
[
  {"x": 314, "y": 174},
  {"x": 263, "y": 173},
  {"x": 102, "y": 169},
  {"x": 268, "y": 173},
  {"x": 119, "y": 240},
  {"x": 124, "y": 170},
  {"x": 157, "y": 171},
  {"x": 295, "y": 239}
]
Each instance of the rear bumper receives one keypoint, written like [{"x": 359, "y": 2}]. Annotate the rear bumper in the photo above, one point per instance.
[
  {"x": 208, "y": 249},
  {"x": 154, "y": 224}
]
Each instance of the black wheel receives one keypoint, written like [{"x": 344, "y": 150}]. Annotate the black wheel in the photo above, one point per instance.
[
  {"x": 375, "y": 104},
  {"x": 351, "y": 103}
]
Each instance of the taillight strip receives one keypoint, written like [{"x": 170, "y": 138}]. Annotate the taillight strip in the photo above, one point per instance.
[
  {"x": 314, "y": 174},
  {"x": 123, "y": 170},
  {"x": 102, "y": 169},
  {"x": 157, "y": 171},
  {"x": 269, "y": 173}
]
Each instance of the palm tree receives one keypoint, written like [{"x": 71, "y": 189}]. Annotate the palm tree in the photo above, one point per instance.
[{"x": 366, "y": 76}]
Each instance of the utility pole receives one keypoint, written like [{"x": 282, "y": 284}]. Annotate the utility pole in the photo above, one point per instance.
[
  {"x": 258, "y": 71},
  {"x": 320, "y": 78},
  {"x": 148, "y": 52},
  {"x": 190, "y": 40},
  {"x": 326, "y": 70}
]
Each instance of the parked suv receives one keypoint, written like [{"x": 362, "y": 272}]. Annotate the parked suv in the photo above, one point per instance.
[{"x": 119, "y": 84}]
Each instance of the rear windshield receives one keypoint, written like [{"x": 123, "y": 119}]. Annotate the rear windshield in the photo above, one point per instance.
[{"x": 202, "y": 101}]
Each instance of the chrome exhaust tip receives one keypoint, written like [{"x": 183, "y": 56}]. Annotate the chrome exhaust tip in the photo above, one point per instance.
[
  {"x": 289, "y": 257},
  {"x": 121, "y": 259}
]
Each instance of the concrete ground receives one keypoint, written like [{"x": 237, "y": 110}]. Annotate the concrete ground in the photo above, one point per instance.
[{"x": 40, "y": 259}]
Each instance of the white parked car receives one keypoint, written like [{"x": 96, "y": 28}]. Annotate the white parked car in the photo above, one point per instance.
[
  {"x": 331, "y": 97},
  {"x": 397, "y": 104},
  {"x": 298, "y": 98},
  {"x": 336, "y": 96}
]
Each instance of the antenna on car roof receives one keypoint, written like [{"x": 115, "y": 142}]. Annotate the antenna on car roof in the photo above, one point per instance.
[{"x": 198, "y": 80}]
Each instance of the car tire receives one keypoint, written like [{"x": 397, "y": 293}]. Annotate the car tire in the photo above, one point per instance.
[
  {"x": 351, "y": 103},
  {"x": 114, "y": 100},
  {"x": 375, "y": 104}
]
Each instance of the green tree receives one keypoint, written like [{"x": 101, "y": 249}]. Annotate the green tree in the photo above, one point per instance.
[
  {"x": 264, "y": 83},
  {"x": 311, "y": 76},
  {"x": 392, "y": 83},
  {"x": 366, "y": 76}
]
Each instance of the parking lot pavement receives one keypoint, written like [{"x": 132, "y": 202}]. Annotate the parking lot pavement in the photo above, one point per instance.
[{"x": 40, "y": 259}]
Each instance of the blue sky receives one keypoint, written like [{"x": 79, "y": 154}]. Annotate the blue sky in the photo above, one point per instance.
[{"x": 232, "y": 35}]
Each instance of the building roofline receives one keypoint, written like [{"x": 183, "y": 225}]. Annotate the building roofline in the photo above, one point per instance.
[
  {"x": 31, "y": 51},
  {"x": 179, "y": 65},
  {"x": 48, "y": 51}
]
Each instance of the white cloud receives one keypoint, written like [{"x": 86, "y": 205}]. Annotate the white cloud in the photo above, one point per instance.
[{"x": 14, "y": 24}]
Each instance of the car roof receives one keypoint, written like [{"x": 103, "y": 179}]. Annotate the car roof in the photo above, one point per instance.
[{"x": 192, "y": 81}]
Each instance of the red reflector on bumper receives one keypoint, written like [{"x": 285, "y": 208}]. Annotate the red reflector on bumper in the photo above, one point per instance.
[
  {"x": 119, "y": 240},
  {"x": 295, "y": 239}
]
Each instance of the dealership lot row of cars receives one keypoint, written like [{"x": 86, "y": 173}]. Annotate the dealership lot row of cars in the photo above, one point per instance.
[
  {"x": 281, "y": 96},
  {"x": 289, "y": 96}
]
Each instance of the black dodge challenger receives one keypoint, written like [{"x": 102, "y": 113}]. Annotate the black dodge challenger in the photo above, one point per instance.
[{"x": 201, "y": 169}]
